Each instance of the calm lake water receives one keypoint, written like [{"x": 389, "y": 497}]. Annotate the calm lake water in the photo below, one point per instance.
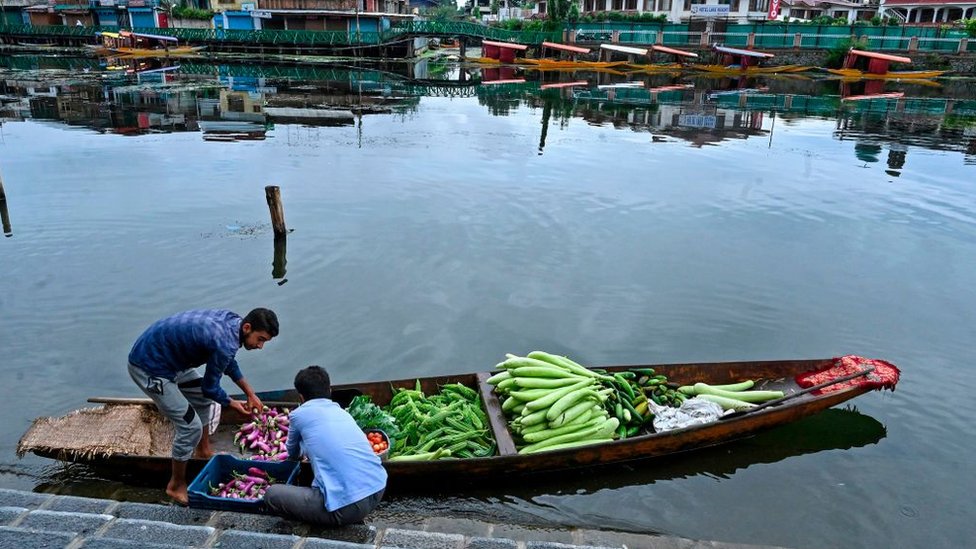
[{"x": 440, "y": 223}]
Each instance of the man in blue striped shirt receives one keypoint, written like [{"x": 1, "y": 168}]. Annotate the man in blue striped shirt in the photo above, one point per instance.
[{"x": 163, "y": 364}]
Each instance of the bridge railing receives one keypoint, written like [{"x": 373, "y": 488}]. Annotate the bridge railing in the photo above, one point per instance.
[{"x": 465, "y": 28}]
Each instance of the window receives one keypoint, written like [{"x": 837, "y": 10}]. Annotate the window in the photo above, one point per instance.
[
  {"x": 759, "y": 5},
  {"x": 631, "y": 5}
]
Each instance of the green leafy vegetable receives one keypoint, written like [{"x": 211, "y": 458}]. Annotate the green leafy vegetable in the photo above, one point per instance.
[{"x": 371, "y": 416}]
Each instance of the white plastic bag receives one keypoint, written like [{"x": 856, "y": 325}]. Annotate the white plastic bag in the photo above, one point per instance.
[{"x": 693, "y": 411}]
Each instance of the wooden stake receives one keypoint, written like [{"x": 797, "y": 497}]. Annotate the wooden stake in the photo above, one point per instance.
[{"x": 273, "y": 194}]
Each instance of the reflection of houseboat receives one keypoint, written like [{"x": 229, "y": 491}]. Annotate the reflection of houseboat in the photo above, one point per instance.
[
  {"x": 869, "y": 64},
  {"x": 142, "y": 45},
  {"x": 736, "y": 61}
]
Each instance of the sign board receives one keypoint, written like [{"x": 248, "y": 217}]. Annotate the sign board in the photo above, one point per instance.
[
  {"x": 697, "y": 120},
  {"x": 261, "y": 14},
  {"x": 711, "y": 10},
  {"x": 773, "y": 9},
  {"x": 248, "y": 6}
]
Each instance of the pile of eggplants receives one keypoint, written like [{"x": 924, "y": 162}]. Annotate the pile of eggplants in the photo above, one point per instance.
[
  {"x": 265, "y": 435},
  {"x": 251, "y": 485}
]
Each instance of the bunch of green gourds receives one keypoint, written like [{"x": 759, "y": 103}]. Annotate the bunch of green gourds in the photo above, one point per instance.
[{"x": 553, "y": 403}]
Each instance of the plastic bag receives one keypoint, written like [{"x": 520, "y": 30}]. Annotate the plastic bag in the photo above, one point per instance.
[{"x": 693, "y": 411}]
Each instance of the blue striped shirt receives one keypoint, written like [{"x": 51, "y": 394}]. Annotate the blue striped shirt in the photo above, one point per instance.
[{"x": 189, "y": 339}]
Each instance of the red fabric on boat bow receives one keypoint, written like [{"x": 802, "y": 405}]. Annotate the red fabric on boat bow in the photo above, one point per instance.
[{"x": 884, "y": 376}]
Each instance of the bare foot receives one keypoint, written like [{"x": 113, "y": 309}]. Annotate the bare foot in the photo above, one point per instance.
[
  {"x": 203, "y": 454},
  {"x": 178, "y": 493}
]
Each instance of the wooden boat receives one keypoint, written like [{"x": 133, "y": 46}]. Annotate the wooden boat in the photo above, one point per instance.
[
  {"x": 137, "y": 44},
  {"x": 679, "y": 56},
  {"x": 136, "y": 423},
  {"x": 552, "y": 63},
  {"x": 869, "y": 64},
  {"x": 737, "y": 61},
  {"x": 499, "y": 52}
]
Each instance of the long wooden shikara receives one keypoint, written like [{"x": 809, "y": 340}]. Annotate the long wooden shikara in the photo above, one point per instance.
[{"x": 774, "y": 375}]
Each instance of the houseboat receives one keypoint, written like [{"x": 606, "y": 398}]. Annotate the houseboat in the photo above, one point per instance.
[
  {"x": 138, "y": 44},
  {"x": 736, "y": 61},
  {"x": 679, "y": 59},
  {"x": 869, "y": 64}
]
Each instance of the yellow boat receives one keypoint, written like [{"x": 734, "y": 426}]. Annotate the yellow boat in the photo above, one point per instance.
[
  {"x": 679, "y": 57},
  {"x": 870, "y": 64},
  {"x": 544, "y": 64},
  {"x": 734, "y": 61},
  {"x": 855, "y": 73},
  {"x": 135, "y": 44}
]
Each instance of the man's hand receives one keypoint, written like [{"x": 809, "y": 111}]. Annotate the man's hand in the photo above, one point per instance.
[
  {"x": 240, "y": 407},
  {"x": 254, "y": 403}
]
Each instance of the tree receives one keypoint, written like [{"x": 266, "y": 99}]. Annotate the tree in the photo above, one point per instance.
[
  {"x": 558, "y": 12},
  {"x": 970, "y": 26},
  {"x": 494, "y": 7}
]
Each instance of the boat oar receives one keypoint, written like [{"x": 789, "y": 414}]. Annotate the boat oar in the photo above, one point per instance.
[{"x": 781, "y": 400}]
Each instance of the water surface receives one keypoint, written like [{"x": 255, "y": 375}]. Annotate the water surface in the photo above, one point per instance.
[{"x": 439, "y": 225}]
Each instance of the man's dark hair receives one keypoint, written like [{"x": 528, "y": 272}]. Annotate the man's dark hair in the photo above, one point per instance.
[
  {"x": 313, "y": 382},
  {"x": 263, "y": 320}
]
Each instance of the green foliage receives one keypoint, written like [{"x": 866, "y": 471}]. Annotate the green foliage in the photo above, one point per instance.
[
  {"x": 494, "y": 7},
  {"x": 371, "y": 416},
  {"x": 557, "y": 13},
  {"x": 185, "y": 12},
  {"x": 970, "y": 25},
  {"x": 876, "y": 21},
  {"x": 892, "y": 22},
  {"x": 828, "y": 20},
  {"x": 443, "y": 12},
  {"x": 835, "y": 57}
]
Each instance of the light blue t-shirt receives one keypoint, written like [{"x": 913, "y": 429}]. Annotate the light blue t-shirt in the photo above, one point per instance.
[{"x": 345, "y": 466}]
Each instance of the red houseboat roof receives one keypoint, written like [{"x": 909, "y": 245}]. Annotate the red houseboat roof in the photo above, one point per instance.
[
  {"x": 564, "y": 84},
  {"x": 564, "y": 47},
  {"x": 674, "y": 51},
  {"x": 885, "y": 56},
  {"x": 746, "y": 53},
  {"x": 509, "y": 45}
]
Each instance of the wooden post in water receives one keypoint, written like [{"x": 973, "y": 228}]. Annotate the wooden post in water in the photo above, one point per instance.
[{"x": 273, "y": 194}]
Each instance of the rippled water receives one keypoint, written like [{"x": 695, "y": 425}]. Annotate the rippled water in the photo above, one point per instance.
[{"x": 451, "y": 224}]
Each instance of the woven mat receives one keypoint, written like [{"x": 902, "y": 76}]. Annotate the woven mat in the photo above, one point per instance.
[{"x": 104, "y": 431}]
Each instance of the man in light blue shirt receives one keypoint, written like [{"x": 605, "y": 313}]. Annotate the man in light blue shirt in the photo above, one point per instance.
[{"x": 349, "y": 477}]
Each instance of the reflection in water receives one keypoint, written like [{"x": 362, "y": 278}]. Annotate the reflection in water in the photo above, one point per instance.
[
  {"x": 279, "y": 261},
  {"x": 244, "y": 102},
  {"x": 5, "y": 215},
  {"x": 833, "y": 429}
]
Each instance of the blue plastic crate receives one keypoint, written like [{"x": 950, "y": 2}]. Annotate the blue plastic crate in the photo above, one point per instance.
[{"x": 219, "y": 469}]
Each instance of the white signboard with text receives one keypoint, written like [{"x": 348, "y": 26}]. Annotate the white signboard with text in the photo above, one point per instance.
[{"x": 710, "y": 10}]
